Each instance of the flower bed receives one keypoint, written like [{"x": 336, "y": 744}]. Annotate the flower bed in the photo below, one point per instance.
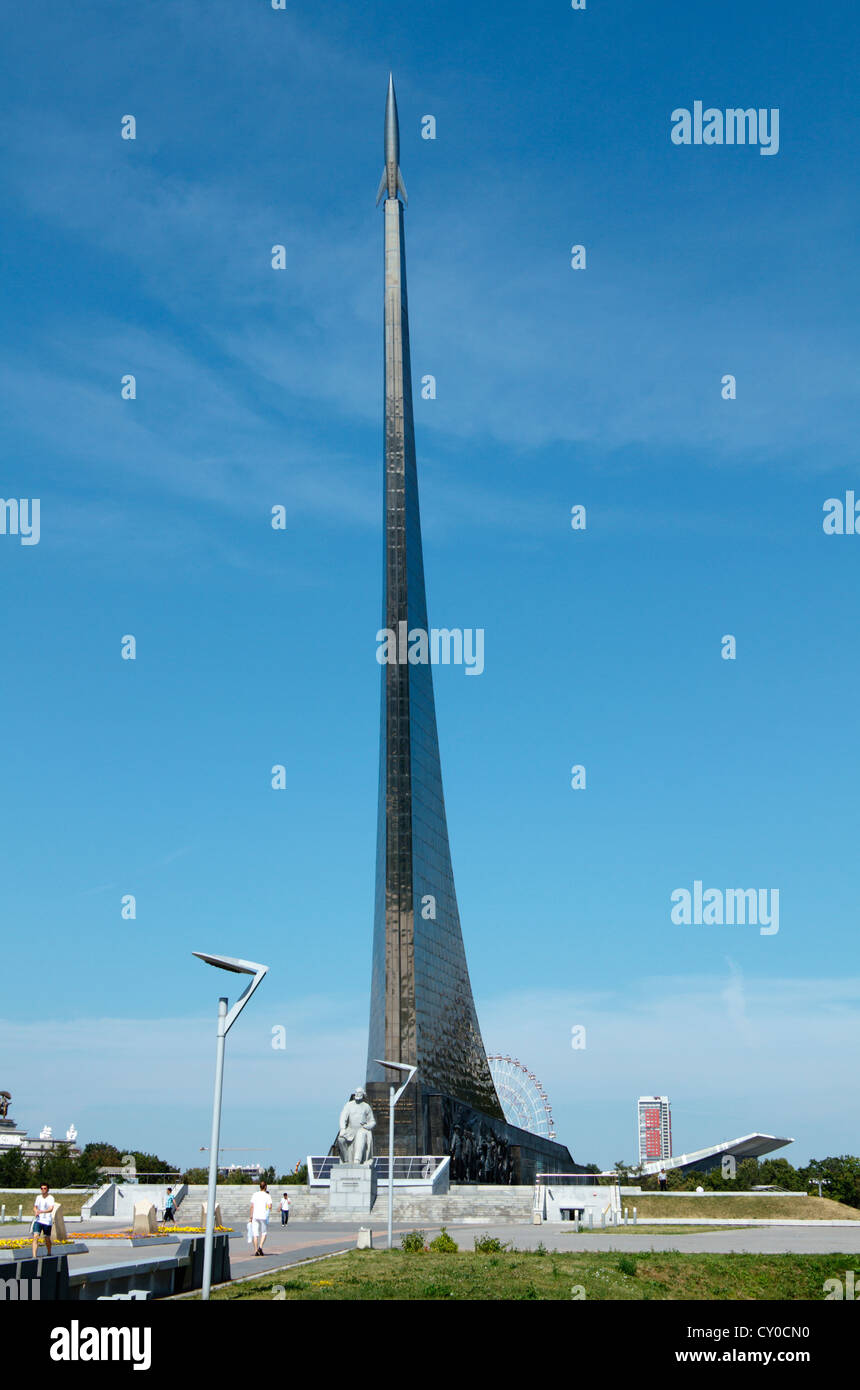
[{"x": 22, "y": 1242}]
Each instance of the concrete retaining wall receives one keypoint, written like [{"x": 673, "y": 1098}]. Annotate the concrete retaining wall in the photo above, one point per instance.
[
  {"x": 118, "y": 1199},
  {"x": 101, "y": 1203},
  {"x": 478, "y": 1204}
]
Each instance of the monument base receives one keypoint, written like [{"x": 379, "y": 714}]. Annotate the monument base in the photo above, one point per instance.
[
  {"x": 352, "y": 1189},
  {"x": 482, "y": 1148}
]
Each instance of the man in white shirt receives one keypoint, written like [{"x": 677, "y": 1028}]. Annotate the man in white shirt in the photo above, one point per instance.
[
  {"x": 43, "y": 1211},
  {"x": 285, "y": 1209},
  {"x": 261, "y": 1206}
]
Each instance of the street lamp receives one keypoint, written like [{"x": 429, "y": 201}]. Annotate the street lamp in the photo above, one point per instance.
[
  {"x": 225, "y": 1023},
  {"x": 393, "y": 1098}
]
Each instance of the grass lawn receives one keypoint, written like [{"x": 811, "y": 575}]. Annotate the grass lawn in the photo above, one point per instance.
[
  {"x": 71, "y": 1202},
  {"x": 792, "y": 1207},
  {"x": 381, "y": 1274}
]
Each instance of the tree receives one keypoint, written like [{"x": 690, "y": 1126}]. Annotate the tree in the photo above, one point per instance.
[
  {"x": 300, "y": 1176},
  {"x": 151, "y": 1163},
  {"x": 196, "y": 1176},
  {"x": 842, "y": 1174},
  {"x": 100, "y": 1155},
  {"x": 57, "y": 1167},
  {"x": 780, "y": 1173},
  {"x": 686, "y": 1181},
  {"x": 15, "y": 1170}
]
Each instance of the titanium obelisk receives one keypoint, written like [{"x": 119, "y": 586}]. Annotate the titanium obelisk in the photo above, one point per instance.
[{"x": 422, "y": 1010}]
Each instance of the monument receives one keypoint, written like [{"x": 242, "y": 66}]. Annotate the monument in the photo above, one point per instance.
[
  {"x": 355, "y": 1132},
  {"x": 422, "y": 1011},
  {"x": 352, "y": 1187},
  {"x": 11, "y": 1134}
]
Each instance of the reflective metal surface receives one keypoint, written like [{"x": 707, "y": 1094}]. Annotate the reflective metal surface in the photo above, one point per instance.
[{"x": 422, "y": 1009}]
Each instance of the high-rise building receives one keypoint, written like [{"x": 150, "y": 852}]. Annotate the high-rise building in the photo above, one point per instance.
[
  {"x": 655, "y": 1128},
  {"x": 422, "y": 1011}
]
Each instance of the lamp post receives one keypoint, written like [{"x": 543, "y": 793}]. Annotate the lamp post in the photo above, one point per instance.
[
  {"x": 225, "y": 1023},
  {"x": 393, "y": 1098}
]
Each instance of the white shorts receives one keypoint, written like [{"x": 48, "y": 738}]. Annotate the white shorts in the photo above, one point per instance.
[{"x": 259, "y": 1228}]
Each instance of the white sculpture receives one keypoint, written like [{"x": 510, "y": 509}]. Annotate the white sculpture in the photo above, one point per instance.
[
  {"x": 355, "y": 1134},
  {"x": 71, "y": 1134},
  {"x": 45, "y": 1132}
]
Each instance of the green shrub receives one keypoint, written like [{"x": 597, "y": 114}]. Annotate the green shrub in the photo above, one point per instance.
[
  {"x": 627, "y": 1264},
  {"x": 413, "y": 1242},
  {"x": 489, "y": 1245},
  {"x": 444, "y": 1244}
]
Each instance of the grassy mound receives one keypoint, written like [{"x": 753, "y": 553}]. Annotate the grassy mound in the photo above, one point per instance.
[
  {"x": 71, "y": 1202},
  {"x": 763, "y": 1205}
]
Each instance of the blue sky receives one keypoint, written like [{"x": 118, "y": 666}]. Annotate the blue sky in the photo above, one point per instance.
[{"x": 256, "y": 647}]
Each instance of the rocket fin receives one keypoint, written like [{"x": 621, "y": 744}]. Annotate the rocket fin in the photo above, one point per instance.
[
  {"x": 401, "y": 185},
  {"x": 381, "y": 189}
]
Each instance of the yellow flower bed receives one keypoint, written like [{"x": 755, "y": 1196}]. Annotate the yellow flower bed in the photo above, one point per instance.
[
  {"x": 162, "y": 1231},
  {"x": 23, "y": 1241}
]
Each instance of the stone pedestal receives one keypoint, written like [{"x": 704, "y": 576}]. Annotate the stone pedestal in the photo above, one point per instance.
[
  {"x": 353, "y": 1188},
  {"x": 218, "y": 1219},
  {"x": 144, "y": 1222}
]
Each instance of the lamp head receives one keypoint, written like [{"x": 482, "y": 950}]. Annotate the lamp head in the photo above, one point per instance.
[{"x": 238, "y": 967}]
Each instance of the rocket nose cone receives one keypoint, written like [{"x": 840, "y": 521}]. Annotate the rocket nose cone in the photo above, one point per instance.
[{"x": 392, "y": 132}]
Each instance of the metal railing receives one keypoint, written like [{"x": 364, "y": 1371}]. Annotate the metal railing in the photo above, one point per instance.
[{"x": 407, "y": 1167}]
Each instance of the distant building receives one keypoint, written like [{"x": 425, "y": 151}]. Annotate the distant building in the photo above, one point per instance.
[
  {"x": 13, "y": 1137},
  {"x": 655, "y": 1129}
]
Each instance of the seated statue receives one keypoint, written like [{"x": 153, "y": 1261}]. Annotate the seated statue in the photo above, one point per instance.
[{"x": 355, "y": 1133}]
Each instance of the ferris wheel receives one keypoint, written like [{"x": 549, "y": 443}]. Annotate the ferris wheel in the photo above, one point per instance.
[{"x": 524, "y": 1100}]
